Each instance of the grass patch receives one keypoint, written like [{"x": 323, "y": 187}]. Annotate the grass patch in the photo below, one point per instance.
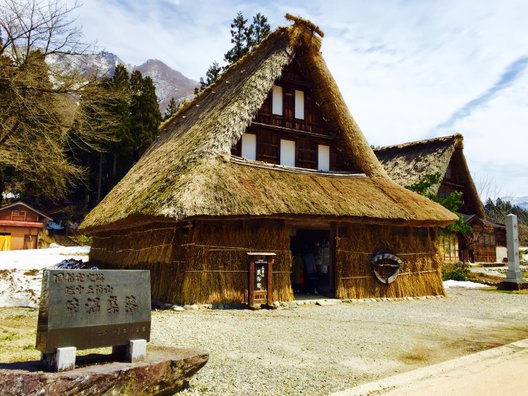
[
  {"x": 491, "y": 289},
  {"x": 485, "y": 278},
  {"x": 32, "y": 272},
  {"x": 18, "y": 330},
  {"x": 18, "y": 333}
]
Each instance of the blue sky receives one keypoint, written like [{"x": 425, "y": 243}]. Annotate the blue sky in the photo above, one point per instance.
[{"x": 408, "y": 69}]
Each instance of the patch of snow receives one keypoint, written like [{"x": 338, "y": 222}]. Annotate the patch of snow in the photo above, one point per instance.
[
  {"x": 464, "y": 284},
  {"x": 21, "y": 271}
]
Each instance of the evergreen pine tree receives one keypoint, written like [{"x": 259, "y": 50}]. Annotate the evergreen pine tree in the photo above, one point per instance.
[
  {"x": 171, "y": 109},
  {"x": 121, "y": 148},
  {"x": 145, "y": 116},
  {"x": 258, "y": 30},
  {"x": 211, "y": 75},
  {"x": 239, "y": 38},
  {"x": 243, "y": 38}
]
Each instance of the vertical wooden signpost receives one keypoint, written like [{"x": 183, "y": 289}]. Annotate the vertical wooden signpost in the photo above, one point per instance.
[{"x": 260, "y": 279}]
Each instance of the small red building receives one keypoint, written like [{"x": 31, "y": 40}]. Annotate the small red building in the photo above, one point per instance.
[{"x": 21, "y": 226}]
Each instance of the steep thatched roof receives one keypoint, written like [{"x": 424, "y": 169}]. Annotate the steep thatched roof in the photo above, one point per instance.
[
  {"x": 189, "y": 172},
  {"x": 407, "y": 164}
]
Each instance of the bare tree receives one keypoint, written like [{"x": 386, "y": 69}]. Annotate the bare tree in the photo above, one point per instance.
[
  {"x": 45, "y": 108},
  {"x": 487, "y": 187}
]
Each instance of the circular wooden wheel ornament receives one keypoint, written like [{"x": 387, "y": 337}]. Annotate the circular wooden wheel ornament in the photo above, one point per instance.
[{"x": 386, "y": 265}]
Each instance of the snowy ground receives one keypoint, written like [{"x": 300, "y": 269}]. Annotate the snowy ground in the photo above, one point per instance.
[
  {"x": 21, "y": 272},
  {"x": 465, "y": 284}
]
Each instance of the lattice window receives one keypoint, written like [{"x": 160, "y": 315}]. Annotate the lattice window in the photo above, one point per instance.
[{"x": 18, "y": 215}]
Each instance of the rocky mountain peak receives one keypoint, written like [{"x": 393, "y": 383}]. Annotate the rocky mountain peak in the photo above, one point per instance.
[{"x": 169, "y": 83}]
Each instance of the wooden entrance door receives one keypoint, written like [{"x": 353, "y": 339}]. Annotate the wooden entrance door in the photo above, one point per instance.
[{"x": 30, "y": 241}]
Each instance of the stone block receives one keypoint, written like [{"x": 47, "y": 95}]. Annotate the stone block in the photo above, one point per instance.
[
  {"x": 137, "y": 350},
  {"x": 62, "y": 360},
  {"x": 163, "y": 372}
]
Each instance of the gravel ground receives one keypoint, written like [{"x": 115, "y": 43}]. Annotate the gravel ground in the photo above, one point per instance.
[{"x": 315, "y": 350}]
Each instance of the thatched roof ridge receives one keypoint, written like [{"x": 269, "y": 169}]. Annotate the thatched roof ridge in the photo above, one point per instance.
[
  {"x": 456, "y": 140},
  {"x": 181, "y": 174},
  {"x": 407, "y": 164}
]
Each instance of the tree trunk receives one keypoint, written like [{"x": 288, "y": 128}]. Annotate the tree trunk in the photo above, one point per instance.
[{"x": 100, "y": 177}]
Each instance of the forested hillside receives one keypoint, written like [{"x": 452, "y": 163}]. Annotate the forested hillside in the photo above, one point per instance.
[{"x": 498, "y": 210}]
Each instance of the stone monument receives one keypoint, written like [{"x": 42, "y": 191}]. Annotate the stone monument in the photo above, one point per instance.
[
  {"x": 81, "y": 309},
  {"x": 514, "y": 279}
]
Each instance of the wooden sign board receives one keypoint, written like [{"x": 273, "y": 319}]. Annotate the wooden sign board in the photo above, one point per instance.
[
  {"x": 93, "y": 308},
  {"x": 260, "y": 286}
]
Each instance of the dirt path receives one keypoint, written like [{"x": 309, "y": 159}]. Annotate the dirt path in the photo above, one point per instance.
[{"x": 492, "y": 372}]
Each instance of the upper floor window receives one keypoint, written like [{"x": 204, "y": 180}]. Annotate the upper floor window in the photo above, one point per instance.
[
  {"x": 249, "y": 146},
  {"x": 276, "y": 101},
  {"x": 323, "y": 157},
  {"x": 299, "y": 105},
  {"x": 287, "y": 152},
  {"x": 18, "y": 215}
]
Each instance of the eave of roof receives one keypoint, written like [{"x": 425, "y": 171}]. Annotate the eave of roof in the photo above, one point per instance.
[{"x": 13, "y": 223}]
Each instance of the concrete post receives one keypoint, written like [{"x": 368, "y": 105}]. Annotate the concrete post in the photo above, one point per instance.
[
  {"x": 514, "y": 279},
  {"x": 62, "y": 360}
]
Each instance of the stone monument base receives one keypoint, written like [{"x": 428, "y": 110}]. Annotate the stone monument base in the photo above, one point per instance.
[
  {"x": 164, "y": 371},
  {"x": 505, "y": 285}
]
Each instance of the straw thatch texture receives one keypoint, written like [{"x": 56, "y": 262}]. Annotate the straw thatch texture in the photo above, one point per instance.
[
  {"x": 407, "y": 163},
  {"x": 204, "y": 262},
  {"x": 217, "y": 269},
  {"x": 420, "y": 275},
  {"x": 172, "y": 180},
  {"x": 248, "y": 188},
  {"x": 156, "y": 247},
  {"x": 225, "y": 188}
]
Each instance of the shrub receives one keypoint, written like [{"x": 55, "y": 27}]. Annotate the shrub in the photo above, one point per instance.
[
  {"x": 84, "y": 240},
  {"x": 457, "y": 274}
]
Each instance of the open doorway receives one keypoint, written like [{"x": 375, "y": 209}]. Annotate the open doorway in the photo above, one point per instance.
[{"x": 312, "y": 267}]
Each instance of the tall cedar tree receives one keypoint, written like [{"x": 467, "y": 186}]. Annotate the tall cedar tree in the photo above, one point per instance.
[
  {"x": 243, "y": 38},
  {"x": 258, "y": 30},
  {"x": 240, "y": 38},
  {"x": 122, "y": 146},
  {"x": 145, "y": 116},
  {"x": 105, "y": 167},
  {"x": 137, "y": 109}
]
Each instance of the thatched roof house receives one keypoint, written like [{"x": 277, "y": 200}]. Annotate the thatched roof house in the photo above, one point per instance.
[
  {"x": 268, "y": 158},
  {"x": 407, "y": 164}
]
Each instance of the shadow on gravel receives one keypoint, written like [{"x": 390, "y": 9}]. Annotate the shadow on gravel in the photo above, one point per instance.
[{"x": 438, "y": 350}]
